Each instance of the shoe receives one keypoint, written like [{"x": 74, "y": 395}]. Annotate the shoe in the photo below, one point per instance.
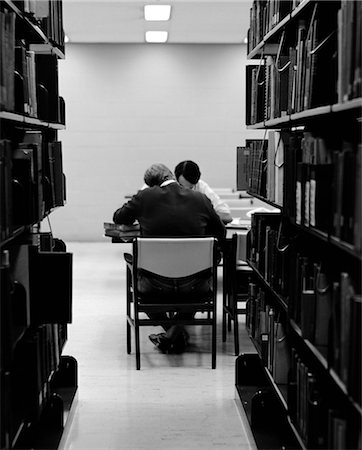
[
  {"x": 161, "y": 342},
  {"x": 180, "y": 343}
]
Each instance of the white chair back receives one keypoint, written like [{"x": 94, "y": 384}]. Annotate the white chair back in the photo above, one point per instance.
[{"x": 175, "y": 257}]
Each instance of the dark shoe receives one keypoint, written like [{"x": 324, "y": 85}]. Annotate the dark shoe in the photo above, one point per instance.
[
  {"x": 180, "y": 343},
  {"x": 161, "y": 342}
]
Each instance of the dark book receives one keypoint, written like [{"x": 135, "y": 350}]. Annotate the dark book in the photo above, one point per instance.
[
  {"x": 316, "y": 425},
  {"x": 281, "y": 355},
  {"x": 264, "y": 347},
  {"x": 308, "y": 311},
  {"x": 47, "y": 280},
  {"x": 323, "y": 311},
  {"x": 357, "y": 228},
  {"x": 320, "y": 205},
  {"x": 337, "y": 189},
  {"x": 242, "y": 164},
  {"x": 21, "y": 79},
  {"x": 7, "y": 60},
  {"x": 334, "y": 341},
  {"x": 348, "y": 192},
  {"x": 56, "y": 173},
  {"x": 300, "y": 194},
  {"x": 355, "y": 339},
  {"x": 23, "y": 190},
  {"x": 5, "y": 189},
  {"x": 47, "y": 76},
  {"x": 346, "y": 295}
]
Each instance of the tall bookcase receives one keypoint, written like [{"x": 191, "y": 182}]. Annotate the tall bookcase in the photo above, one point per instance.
[
  {"x": 302, "y": 386},
  {"x": 37, "y": 382}
]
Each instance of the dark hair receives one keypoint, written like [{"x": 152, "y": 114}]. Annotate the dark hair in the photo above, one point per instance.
[{"x": 190, "y": 171}]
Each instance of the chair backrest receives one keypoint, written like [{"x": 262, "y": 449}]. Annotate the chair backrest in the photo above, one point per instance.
[
  {"x": 241, "y": 237},
  {"x": 174, "y": 257}
]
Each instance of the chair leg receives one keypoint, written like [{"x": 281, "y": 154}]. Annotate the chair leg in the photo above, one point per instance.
[
  {"x": 137, "y": 339},
  {"x": 128, "y": 338},
  {"x": 224, "y": 300},
  {"x": 129, "y": 298},
  {"x": 236, "y": 325},
  {"x": 213, "y": 343}
]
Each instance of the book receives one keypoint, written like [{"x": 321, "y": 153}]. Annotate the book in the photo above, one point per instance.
[
  {"x": 242, "y": 161},
  {"x": 320, "y": 205},
  {"x": 323, "y": 311},
  {"x": 308, "y": 309},
  {"x": 281, "y": 354}
]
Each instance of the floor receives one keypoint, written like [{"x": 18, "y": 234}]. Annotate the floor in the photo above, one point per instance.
[{"x": 174, "y": 401}]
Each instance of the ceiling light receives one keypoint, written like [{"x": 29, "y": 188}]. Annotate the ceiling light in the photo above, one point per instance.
[
  {"x": 157, "y": 12},
  {"x": 66, "y": 39},
  {"x": 156, "y": 36}
]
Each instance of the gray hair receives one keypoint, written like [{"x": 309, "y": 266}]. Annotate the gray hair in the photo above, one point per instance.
[{"x": 157, "y": 174}]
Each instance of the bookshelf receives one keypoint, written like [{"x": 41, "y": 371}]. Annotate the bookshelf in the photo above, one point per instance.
[
  {"x": 37, "y": 382},
  {"x": 304, "y": 310}
]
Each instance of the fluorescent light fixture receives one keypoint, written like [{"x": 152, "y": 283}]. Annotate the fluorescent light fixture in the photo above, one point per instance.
[
  {"x": 156, "y": 36},
  {"x": 157, "y": 12}
]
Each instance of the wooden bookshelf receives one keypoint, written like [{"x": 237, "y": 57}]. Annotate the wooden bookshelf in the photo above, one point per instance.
[
  {"x": 37, "y": 382},
  {"x": 308, "y": 270}
]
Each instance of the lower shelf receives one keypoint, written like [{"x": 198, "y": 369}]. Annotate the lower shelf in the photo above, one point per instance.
[
  {"x": 47, "y": 432},
  {"x": 267, "y": 418}
]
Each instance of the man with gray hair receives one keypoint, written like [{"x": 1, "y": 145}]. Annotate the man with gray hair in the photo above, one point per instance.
[{"x": 167, "y": 209}]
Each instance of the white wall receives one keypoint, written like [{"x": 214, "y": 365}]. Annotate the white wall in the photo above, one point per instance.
[{"x": 128, "y": 106}]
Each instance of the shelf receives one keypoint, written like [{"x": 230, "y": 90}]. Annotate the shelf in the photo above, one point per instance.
[
  {"x": 33, "y": 121},
  {"x": 37, "y": 33},
  {"x": 348, "y": 248},
  {"x": 299, "y": 9},
  {"x": 47, "y": 49},
  {"x": 279, "y": 299},
  {"x": 311, "y": 113},
  {"x": 16, "y": 233},
  {"x": 265, "y": 200},
  {"x": 275, "y": 30},
  {"x": 324, "y": 365},
  {"x": 268, "y": 45},
  {"x": 348, "y": 106}
]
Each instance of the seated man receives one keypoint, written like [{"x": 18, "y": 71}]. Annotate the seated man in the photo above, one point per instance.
[
  {"x": 167, "y": 209},
  {"x": 188, "y": 175}
]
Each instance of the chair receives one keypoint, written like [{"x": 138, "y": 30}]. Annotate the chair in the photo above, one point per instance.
[
  {"x": 173, "y": 258},
  {"x": 236, "y": 277}
]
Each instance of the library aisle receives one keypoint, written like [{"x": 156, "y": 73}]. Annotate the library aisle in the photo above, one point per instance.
[{"x": 174, "y": 401}]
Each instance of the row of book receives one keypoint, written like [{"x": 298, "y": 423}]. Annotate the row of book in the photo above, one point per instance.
[
  {"x": 37, "y": 289},
  {"x": 35, "y": 358},
  {"x": 268, "y": 334},
  {"x": 322, "y": 298},
  {"x": 349, "y": 50},
  {"x": 256, "y": 166},
  {"x": 319, "y": 422},
  {"x": 28, "y": 81},
  {"x": 304, "y": 75},
  {"x": 264, "y": 15},
  {"x": 269, "y": 250},
  {"x": 322, "y": 184},
  {"x": 328, "y": 310},
  {"x": 31, "y": 180},
  {"x": 48, "y": 14}
]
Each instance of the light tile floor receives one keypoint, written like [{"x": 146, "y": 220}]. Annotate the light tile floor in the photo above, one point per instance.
[{"x": 174, "y": 402}]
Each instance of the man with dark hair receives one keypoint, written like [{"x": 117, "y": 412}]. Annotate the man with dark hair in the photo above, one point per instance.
[
  {"x": 167, "y": 209},
  {"x": 188, "y": 175}
]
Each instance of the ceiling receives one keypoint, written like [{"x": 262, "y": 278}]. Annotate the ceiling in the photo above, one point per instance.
[{"x": 192, "y": 22}]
